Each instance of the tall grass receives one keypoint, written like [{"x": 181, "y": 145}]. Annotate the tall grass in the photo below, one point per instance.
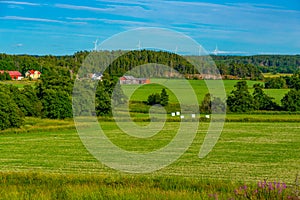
[{"x": 15, "y": 185}]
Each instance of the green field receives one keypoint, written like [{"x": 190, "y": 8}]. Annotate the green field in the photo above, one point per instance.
[
  {"x": 46, "y": 158},
  {"x": 19, "y": 84},
  {"x": 271, "y": 75},
  {"x": 141, "y": 92}
]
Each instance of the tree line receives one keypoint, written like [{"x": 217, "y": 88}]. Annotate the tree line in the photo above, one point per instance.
[
  {"x": 265, "y": 63},
  {"x": 240, "y": 99},
  {"x": 248, "y": 67},
  {"x": 52, "y": 95}
]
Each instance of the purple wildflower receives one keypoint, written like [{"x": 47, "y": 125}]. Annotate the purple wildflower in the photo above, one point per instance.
[
  {"x": 278, "y": 185},
  {"x": 270, "y": 186},
  {"x": 283, "y": 185}
]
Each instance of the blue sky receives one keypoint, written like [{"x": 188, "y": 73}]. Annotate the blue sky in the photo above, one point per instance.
[{"x": 64, "y": 27}]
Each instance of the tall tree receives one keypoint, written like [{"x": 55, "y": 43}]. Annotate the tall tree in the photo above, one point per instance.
[
  {"x": 240, "y": 99},
  {"x": 212, "y": 104},
  {"x": 291, "y": 101},
  {"x": 108, "y": 94},
  {"x": 154, "y": 99},
  {"x": 164, "y": 97},
  {"x": 10, "y": 114},
  {"x": 54, "y": 91},
  {"x": 206, "y": 104},
  {"x": 56, "y": 104},
  {"x": 261, "y": 100}
]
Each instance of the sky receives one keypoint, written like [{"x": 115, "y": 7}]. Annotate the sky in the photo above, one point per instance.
[{"x": 233, "y": 27}]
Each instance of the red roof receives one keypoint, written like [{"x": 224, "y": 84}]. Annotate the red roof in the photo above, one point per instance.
[
  {"x": 32, "y": 71},
  {"x": 12, "y": 73}
]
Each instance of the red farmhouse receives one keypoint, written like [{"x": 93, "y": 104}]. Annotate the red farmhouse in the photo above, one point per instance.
[{"x": 15, "y": 75}]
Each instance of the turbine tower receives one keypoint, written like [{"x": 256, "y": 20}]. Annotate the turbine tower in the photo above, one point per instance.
[
  {"x": 199, "y": 50},
  {"x": 95, "y": 44},
  {"x": 216, "y": 51},
  {"x": 139, "y": 46}
]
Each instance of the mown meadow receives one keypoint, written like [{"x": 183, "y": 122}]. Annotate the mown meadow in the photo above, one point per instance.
[
  {"x": 45, "y": 159},
  {"x": 256, "y": 157}
]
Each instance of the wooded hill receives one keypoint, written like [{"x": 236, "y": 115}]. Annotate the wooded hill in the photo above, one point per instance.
[
  {"x": 265, "y": 63},
  {"x": 249, "y": 67}
]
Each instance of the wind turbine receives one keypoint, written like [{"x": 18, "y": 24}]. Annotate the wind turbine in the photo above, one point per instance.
[
  {"x": 199, "y": 50},
  {"x": 139, "y": 46},
  {"x": 95, "y": 44},
  {"x": 216, "y": 51}
]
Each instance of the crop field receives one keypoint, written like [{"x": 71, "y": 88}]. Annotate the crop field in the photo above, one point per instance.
[
  {"x": 140, "y": 93},
  {"x": 50, "y": 152}
]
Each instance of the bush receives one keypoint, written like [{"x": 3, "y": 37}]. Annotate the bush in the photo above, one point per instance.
[
  {"x": 10, "y": 114},
  {"x": 162, "y": 98}
]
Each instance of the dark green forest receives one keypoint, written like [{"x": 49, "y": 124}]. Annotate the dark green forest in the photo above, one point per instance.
[
  {"x": 265, "y": 63},
  {"x": 249, "y": 67}
]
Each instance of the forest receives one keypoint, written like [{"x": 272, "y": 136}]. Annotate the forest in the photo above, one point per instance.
[{"x": 249, "y": 67}]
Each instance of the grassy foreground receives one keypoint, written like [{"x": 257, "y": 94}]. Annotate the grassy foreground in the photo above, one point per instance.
[
  {"x": 61, "y": 186},
  {"x": 45, "y": 159}
]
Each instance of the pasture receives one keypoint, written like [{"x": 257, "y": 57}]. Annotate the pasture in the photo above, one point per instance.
[
  {"x": 46, "y": 158},
  {"x": 141, "y": 92}
]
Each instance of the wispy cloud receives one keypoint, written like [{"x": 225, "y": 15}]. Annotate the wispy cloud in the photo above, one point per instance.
[
  {"x": 20, "y": 3},
  {"x": 108, "y": 21},
  {"x": 30, "y": 19},
  {"x": 126, "y": 2},
  {"x": 77, "y": 7},
  {"x": 256, "y": 7}
]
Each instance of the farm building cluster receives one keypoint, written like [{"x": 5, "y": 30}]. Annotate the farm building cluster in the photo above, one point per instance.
[
  {"x": 133, "y": 80},
  {"x": 122, "y": 80},
  {"x": 16, "y": 75}
]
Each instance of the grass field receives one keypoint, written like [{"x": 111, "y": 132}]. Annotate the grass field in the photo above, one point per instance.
[
  {"x": 19, "y": 84},
  {"x": 46, "y": 158},
  {"x": 270, "y": 75},
  {"x": 141, "y": 92}
]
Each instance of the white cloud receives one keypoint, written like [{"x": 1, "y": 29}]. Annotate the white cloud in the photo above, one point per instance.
[
  {"x": 20, "y": 3},
  {"x": 76, "y": 7},
  {"x": 30, "y": 19},
  {"x": 126, "y": 2},
  {"x": 109, "y": 21}
]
